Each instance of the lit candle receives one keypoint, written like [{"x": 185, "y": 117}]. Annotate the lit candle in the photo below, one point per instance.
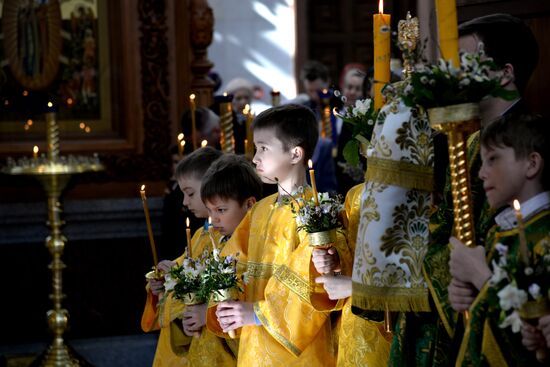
[
  {"x": 523, "y": 250},
  {"x": 204, "y": 143},
  {"x": 188, "y": 236},
  {"x": 193, "y": 120},
  {"x": 210, "y": 234},
  {"x": 448, "y": 30},
  {"x": 275, "y": 97},
  {"x": 180, "y": 145},
  {"x": 35, "y": 152},
  {"x": 313, "y": 184},
  {"x": 226, "y": 123},
  {"x": 149, "y": 228},
  {"x": 246, "y": 147},
  {"x": 382, "y": 55},
  {"x": 326, "y": 126}
]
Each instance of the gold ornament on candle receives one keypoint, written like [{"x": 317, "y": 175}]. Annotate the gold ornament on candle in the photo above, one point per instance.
[
  {"x": 275, "y": 97},
  {"x": 523, "y": 249},
  {"x": 382, "y": 54},
  {"x": 313, "y": 183},
  {"x": 35, "y": 152},
  {"x": 226, "y": 124},
  {"x": 149, "y": 228},
  {"x": 447, "y": 29},
  {"x": 193, "y": 120},
  {"x": 188, "y": 236},
  {"x": 408, "y": 34},
  {"x": 326, "y": 126},
  {"x": 204, "y": 143},
  {"x": 180, "y": 145},
  {"x": 248, "y": 142}
]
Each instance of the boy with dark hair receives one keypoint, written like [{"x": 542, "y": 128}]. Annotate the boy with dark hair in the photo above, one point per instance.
[
  {"x": 278, "y": 316},
  {"x": 229, "y": 189},
  {"x": 514, "y": 152},
  {"x": 174, "y": 349}
]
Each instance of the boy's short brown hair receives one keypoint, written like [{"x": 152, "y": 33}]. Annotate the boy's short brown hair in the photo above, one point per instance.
[
  {"x": 525, "y": 134},
  {"x": 294, "y": 125},
  {"x": 231, "y": 177},
  {"x": 197, "y": 163}
]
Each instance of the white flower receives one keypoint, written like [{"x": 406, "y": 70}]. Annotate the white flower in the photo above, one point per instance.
[
  {"x": 511, "y": 297},
  {"x": 501, "y": 249},
  {"x": 424, "y": 79},
  {"x": 169, "y": 283},
  {"x": 498, "y": 274},
  {"x": 512, "y": 320},
  {"x": 534, "y": 291},
  {"x": 528, "y": 271},
  {"x": 361, "y": 107}
]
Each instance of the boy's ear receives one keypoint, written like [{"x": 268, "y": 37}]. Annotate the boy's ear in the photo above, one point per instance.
[
  {"x": 297, "y": 155},
  {"x": 250, "y": 202},
  {"x": 535, "y": 165},
  {"x": 508, "y": 75}
]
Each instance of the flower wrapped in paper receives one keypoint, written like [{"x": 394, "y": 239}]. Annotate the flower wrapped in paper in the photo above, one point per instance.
[{"x": 319, "y": 218}]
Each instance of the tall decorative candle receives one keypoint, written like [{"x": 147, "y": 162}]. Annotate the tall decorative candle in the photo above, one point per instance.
[
  {"x": 226, "y": 123},
  {"x": 249, "y": 146},
  {"x": 447, "y": 29},
  {"x": 188, "y": 236},
  {"x": 523, "y": 250},
  {"x": 193, "y": 120},
  {"x": 149, "y": 228},
  {"x": 326, "y": 125},
  {"x": 313, "y": 183},
  {"x": 382, "y": 55}
]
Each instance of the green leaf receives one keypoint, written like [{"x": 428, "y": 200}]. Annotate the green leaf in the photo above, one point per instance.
[{"x": 351, "y": 152}]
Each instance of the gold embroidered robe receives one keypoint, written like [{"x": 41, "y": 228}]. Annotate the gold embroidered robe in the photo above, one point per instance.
[
  {"x": 174, "y": 348},
  {"x": 281, "y": 285},
  {"x": 361, "y": 342}
]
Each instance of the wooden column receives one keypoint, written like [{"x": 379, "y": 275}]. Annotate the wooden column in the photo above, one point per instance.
[{"x": 201, "y": 30}]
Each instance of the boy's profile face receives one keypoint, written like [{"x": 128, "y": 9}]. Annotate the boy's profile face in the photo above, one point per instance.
[
  {"x": 226, "y": 214},
  {"x": 503, "y": 175},
  {"x": 271, "y": 159},
  {"x": 191, "y": 188}
]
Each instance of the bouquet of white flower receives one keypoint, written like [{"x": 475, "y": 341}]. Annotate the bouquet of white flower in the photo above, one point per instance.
[
  {"x": 518, "y": 289},
  {"x": 361, "y": 117},
  {"x": 186, "y": 282},
  {"x": 220, "y": 276},
  {"x": 319, "y": 218}
]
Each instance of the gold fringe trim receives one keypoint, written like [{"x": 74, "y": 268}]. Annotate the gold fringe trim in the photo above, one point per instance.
[
  {"x": 398, "y": 173},
  {"x": 438, "y": 305},
  {"x": 294, "y": 282},
  {"x": 274, "y": 333},
  {"x": 396, "y": 299}
]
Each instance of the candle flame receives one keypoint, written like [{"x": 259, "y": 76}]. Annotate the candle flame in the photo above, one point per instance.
[
  {"x": 187, "y": 222},
  {"x": 35, "y": 149},
  {"x": 182, "y": 143},
  {"x": 325, "y": 91},
  {"x": 310, "y": 164},
  {"x": 142, "y": 188},
  {"x": 209, "y": 221},
  {"x": 50, "y": 104},
  {"x": 204, "y": 143},
  {"x": 275, "y": 91},
  {"x": 381, "y": 6},
  {"x": 225, "y": 94},
  {"x": 516, "y": 205},
  {"x": 180, "y": 136},
  {"x": 246, "y": 109},
  {"x": 192, "y": 97}
]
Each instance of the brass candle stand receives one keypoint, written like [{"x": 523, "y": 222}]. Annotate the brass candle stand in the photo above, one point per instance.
[{"x": 54, "y": 172}]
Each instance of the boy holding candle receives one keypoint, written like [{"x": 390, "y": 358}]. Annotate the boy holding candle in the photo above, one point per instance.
[
  {"x": 514, "y": 151},
  {"x": 277, "y": 319},
  {"x": 160, "y": 315}
]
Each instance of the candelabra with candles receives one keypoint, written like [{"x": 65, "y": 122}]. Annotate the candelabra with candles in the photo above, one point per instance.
[{"x": 54, "y": 172}]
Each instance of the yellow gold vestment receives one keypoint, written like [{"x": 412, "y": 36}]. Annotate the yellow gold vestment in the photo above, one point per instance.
[
  {"x": 277, "y": 257},
  {"x": 174, "y": 348}
]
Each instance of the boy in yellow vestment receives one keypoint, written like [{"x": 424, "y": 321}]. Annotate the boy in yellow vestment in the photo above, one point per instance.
[
  {"x": 361, "y": 341},
  {"x": 276, "y": 318},
  {"x": 179, "y": 323}
]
